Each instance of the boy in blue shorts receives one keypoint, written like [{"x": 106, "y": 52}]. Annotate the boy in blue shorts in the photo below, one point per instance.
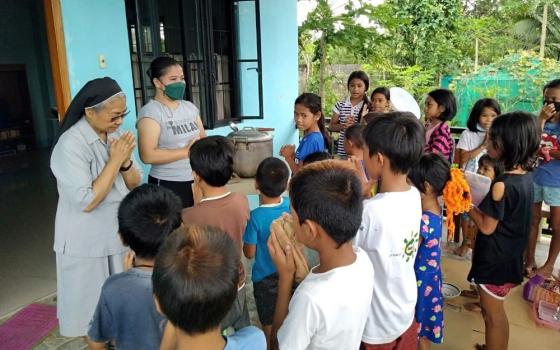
[
  {"x": 546, "y": 180},
  {"x": 271, "y": 181}
]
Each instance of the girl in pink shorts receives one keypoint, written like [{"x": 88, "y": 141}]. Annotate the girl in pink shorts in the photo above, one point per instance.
[{"x": 503, "y": 221}]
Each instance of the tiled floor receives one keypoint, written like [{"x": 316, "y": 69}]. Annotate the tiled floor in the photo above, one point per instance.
[
  {"x": 27, "y": 209},
  {"x": 464, "y": 328},
  {"x": 27, "y": 269},
  {"x": 28, "y": 198}
]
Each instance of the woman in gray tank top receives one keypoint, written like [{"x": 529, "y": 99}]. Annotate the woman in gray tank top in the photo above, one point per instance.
[{"x": 167, "y": 127}]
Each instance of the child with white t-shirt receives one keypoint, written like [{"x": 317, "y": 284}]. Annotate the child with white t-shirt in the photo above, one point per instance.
[
  {"x": 330, "y": 307},
  {"x": 471, "y": 146},
  {"x": 390, "y": 232}
]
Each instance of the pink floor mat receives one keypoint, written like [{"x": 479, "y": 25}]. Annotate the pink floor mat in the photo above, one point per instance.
[{"x": 27, "y": 327}]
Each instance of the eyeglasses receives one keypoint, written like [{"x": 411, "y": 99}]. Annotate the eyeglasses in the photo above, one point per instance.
[{"x": 116, "y": 117}]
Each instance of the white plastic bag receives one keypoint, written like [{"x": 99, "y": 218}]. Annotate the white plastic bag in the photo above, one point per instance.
[{"x": 480, "y": 186}]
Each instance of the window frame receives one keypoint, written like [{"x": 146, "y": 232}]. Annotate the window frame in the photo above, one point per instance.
[{"x": 204, "y": 30}]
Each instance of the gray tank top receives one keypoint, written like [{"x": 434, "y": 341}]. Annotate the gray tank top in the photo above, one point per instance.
[{"x": 177, "y": 128}]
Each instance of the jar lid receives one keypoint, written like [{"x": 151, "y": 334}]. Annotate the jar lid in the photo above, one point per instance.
[{"x": 249, "y": 134}]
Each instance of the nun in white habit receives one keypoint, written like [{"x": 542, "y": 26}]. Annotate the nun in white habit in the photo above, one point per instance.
[{"x": 94, "y": 170}]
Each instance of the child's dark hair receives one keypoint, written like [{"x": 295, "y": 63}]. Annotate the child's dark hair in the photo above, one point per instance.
[
  {"x": 516, "y": 137},
  {"x": 329, "y": 194},
  {"x": 383, "y": 91},
  {"x": 496, "y": 165},
  {"x": 159, "y": 66},
  {"x": 360, "y": 75},
  {"x": 312, "y": 102},
  {"x": 399, "y": 136},
  {"x": 445, "y": 98},
  {"x": 212, "y": 159},
  {"x": 316, "y": 157},
  {"x": 195, "y": 277},
  {"x": 476, "y": 111},
  {"x": 432, "y": 169},
  {"x": 553, "y": 84},
  {"x": 272, "y": 177},
  {"x": 354, "y": 133},
  {"x": 372, "y": 115},
  {"x": 147, "y": 215}
]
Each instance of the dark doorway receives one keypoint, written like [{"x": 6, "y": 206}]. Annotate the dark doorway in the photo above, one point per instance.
[
  {"x": 16, "y": 119},
  {"x": 27, "y": 123}
]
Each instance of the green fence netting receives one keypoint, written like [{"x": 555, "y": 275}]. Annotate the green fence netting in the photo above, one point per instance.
[{"x": 516, "y": 82}]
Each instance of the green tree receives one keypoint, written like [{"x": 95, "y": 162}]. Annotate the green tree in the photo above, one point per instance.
[
  {"x": 528, "y": 28},
  {"x": 340, "y": 34},
  {"x": 413, "y": 43},
  {"x": 423, "y": 32}
]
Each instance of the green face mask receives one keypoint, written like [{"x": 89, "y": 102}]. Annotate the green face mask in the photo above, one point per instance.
[{"x": 175, "y": 91}]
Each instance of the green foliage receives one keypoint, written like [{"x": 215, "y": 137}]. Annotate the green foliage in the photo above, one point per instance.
[
  {"x": 415, "y": 79},
  {"x": 503, "y": 10},
  {"x": 413, "y": 43},
  {"x": 340, "y": 39},
  {"x": 528, "y": 28},
  {"x": 330, "y": 79},
  {"x": 423, "y": 32}
]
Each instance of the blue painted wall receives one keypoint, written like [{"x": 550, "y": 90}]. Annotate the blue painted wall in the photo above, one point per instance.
[
  {"x": 98, "y": 27},
  {"x": 93, "y": 28}
]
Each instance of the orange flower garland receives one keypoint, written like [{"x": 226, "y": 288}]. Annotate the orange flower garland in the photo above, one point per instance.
[{"x": 457, "y": 198}]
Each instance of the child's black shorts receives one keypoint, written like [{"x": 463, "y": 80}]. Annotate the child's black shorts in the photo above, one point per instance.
[{"x": 266, "y": 292}]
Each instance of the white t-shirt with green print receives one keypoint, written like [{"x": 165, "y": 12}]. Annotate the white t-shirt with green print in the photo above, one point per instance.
[{"x": 389, "y": 235}]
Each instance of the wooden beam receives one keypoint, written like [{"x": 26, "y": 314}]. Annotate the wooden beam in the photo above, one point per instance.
[
  {"x": 544, "y": 27},
  {"x": 57, "y": 54}
]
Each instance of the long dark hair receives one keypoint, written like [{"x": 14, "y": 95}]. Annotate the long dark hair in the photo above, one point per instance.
[
  {"x": 360, "y": 75},
  {"x": 159, "y": 67},
  {"x": 472, "y": 122},
  {"x": 313, "y": 103},
  {"x": 91, "y": 94},
  {"x": 517, "y": 137}
]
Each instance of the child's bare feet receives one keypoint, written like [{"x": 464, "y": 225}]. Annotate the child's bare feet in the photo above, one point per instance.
[
  {"x": 462, "y": 250},
  {"x": 423, "y": 344},
  {"x": 543, "y": 271},
  {"x": 529, "y": 269}
]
